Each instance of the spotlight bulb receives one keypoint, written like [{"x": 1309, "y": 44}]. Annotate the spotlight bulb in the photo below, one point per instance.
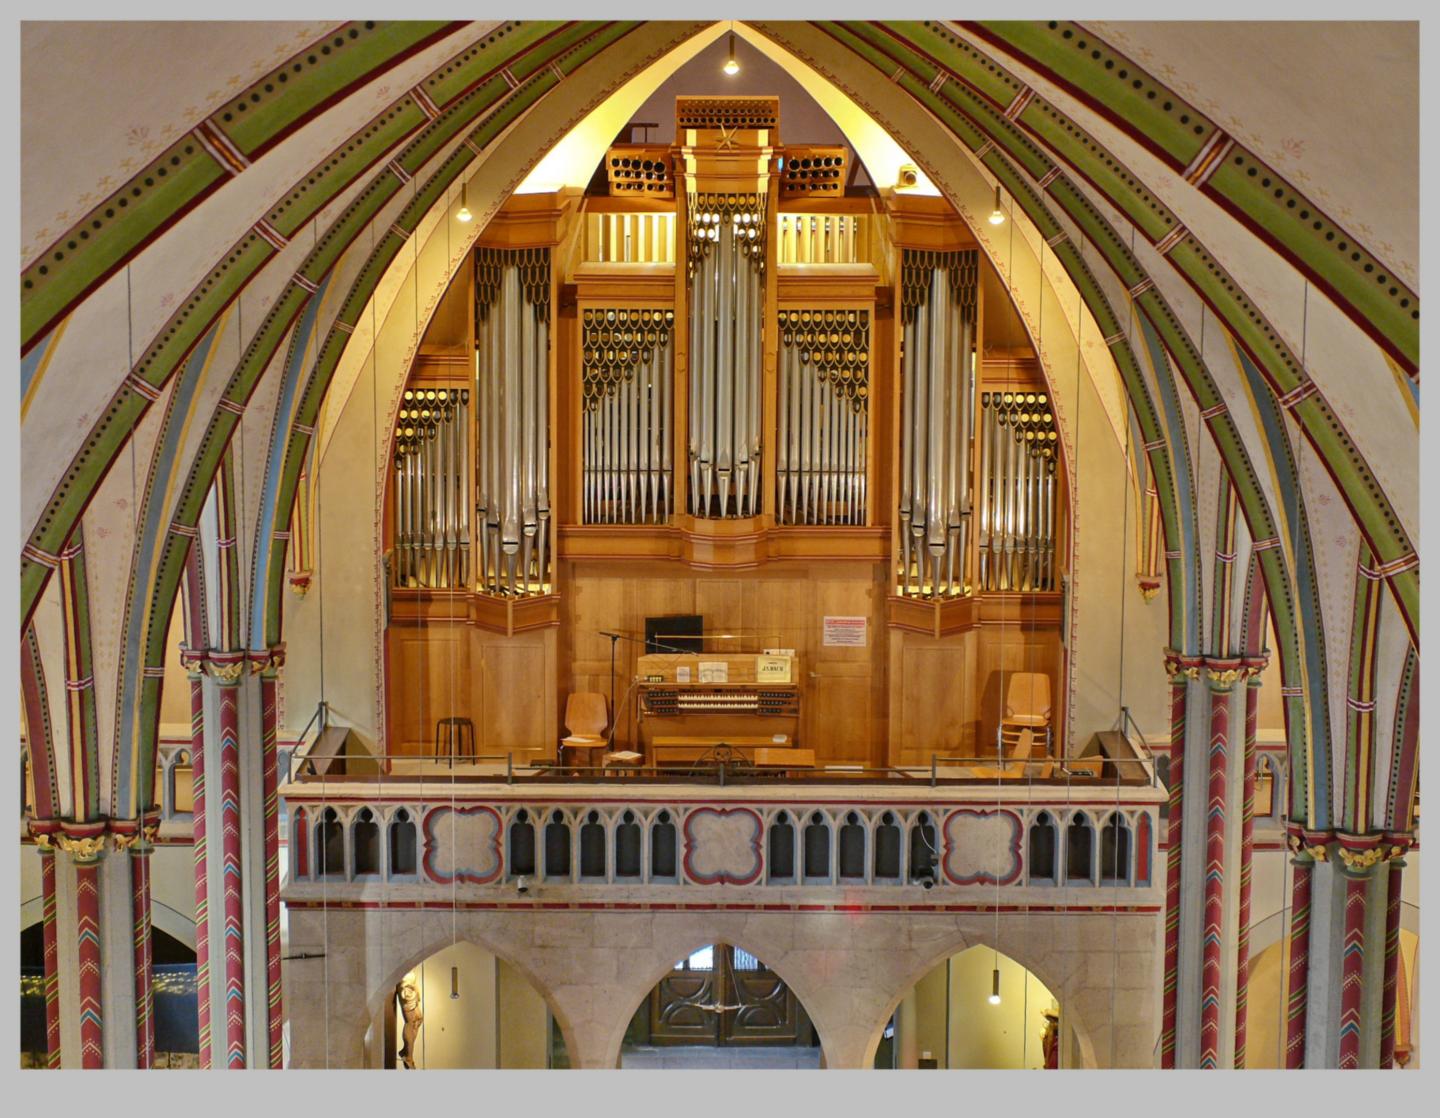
[
  {"x": 994, "y": 998},
  {"x": 997, "y": 215},
  {"x": 731, "y": 67}
]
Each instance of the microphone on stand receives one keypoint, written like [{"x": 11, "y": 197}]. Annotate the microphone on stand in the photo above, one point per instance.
[{"x": 614, "y": 639}]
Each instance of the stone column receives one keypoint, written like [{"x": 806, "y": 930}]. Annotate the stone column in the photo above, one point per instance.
[
  {"x": 86, "y": 844},
  {"x": 1247, "y": 847},
  {"x": 1298, "y": 978},
  {"x": 43, "y": 834},
  {"x": 202, "y": 870},
  {"x": 233, "y": 748},
  {"x": 1171, "y": 988},
  {"x": 1398, "y": 846},
  {"x": 1352, "y": 964},
  {"x": 232, "y": 875},
  {"x": 137, "y": 837},
  {"x": 271, "y": 807},
  {"x": 1220, "y": 681}
]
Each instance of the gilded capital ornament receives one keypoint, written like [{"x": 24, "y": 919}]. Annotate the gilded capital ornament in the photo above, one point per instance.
[
  {"x": 1300, "y": 849},
  {"x": 1361, "y": 860},
  {"x": 227, "y": 672},
  {"x": 86, "y": 849}
]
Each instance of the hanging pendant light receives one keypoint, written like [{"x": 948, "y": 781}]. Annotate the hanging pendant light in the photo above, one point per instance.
[
  {"x": 997, "y": 215},
  {"x": 455, "y": 983},
  {"x": 994, "y": 998},
  {"x": 463, "y": 214},
  {"x": 731, "y": 67}
]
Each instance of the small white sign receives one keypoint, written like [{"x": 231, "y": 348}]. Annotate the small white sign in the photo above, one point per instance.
[
  {"x": 845, "y": 632},
  {"x": 682, "y": 674}
]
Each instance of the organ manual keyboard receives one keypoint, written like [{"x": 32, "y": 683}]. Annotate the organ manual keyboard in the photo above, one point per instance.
[{"x": 691, "y": 703}]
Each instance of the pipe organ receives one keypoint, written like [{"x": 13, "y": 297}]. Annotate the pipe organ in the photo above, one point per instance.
[
  {"x": 747, "y": 362},
  {"x": 512, "y": 387},
  {"x": 725, "y": 260},
  {"x": 937, "y": 391},
  {"x": 1017, "y": 491},
  {"x": 626, "y": 374},
  {"x": 430, "y": 499},
  {"x": 821, "y": 440}
]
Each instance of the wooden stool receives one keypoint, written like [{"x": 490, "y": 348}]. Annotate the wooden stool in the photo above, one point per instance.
[{"x": 456, "y": 732}]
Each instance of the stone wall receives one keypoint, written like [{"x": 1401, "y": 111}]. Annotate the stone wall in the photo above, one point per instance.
[{"x": 849, "y": 968}]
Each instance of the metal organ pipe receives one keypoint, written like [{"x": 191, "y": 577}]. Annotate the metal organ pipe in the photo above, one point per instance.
[
  {"x": 1019, "y": 457},
  {"x": 938, "y": 296},
  {"x": 432, "y": 545},
  {"x": 822, "y": 416},
  {"x": 726, "y": 264},
  {"x": 512, "y": 324},
  {"x": 627, "y": 359}
]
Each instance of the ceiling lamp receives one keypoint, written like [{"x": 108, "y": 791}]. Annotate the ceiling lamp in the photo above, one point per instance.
[
  {"x": 994, "y": 998},
  {"x": 463, "y": 214},
  {"x": 731, "y": 67},
  {"x": 997, "y": 215}
]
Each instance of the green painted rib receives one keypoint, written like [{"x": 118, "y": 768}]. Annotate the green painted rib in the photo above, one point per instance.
[
  {"x": 354, "y": 53},
  {"x": 188, "y": 325},
  {"x": 110, "y": 233},
  {"x": 113, "y": 231},
  {"x": 1271, "y": 205}
]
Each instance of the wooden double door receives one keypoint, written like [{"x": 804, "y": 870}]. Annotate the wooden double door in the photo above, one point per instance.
[{"x": 723, "y": 995}]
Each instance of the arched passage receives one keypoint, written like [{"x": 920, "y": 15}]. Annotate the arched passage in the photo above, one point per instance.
[
  {"x": 720, "y": 1007},
  {"x": 463, "y": 1007},
  {"x": 977, "y": 1008}
]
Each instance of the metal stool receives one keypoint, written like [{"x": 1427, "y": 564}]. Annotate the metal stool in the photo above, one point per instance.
[{"x": 459, "y": 739}]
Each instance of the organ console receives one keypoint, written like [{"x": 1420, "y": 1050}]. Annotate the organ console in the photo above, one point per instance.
[{"x": 691, "y": 703}]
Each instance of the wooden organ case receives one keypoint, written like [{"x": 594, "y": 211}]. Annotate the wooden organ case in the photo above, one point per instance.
[{"x": 721, "y": 383}]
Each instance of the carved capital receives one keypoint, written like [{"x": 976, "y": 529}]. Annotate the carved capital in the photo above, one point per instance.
[
  {"x": 87, "y": 848},
  {"x": 227, "y": 672},
  {"x": 1358, "y": 861},
  {"x": 1300, "y": 848}
]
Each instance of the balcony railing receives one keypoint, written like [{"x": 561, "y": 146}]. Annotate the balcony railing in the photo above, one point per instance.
[{"x": 442, "y": 831}]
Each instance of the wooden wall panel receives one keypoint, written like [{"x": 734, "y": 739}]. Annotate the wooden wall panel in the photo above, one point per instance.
[
  {"x": 458, "y": 671},
  {"x": 931, "y": 694},
  {"x": 843, "y": 697}
]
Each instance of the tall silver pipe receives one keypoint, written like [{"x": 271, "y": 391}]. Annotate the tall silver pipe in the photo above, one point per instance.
[{"x": 938, "y": 302}]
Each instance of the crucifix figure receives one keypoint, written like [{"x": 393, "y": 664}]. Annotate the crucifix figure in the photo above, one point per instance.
[{"x": 408, "y": 992}]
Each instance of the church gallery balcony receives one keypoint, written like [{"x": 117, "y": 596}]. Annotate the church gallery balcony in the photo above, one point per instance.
[{"x": 911, "y": 840}]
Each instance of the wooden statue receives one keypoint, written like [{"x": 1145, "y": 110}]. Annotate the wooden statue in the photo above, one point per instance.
[{"x": 408, "y": 993}]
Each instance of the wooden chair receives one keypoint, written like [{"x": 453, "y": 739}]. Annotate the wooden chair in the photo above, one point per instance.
[
  {"x": 1027, "y": 707},
  {"x": 587, "y": 717}
]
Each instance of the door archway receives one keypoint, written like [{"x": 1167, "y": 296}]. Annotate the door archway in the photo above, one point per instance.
[{"x": 720, "y": 1006}]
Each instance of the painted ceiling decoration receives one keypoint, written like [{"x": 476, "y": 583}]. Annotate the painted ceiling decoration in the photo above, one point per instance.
[{"x": 1078, "y": 195}]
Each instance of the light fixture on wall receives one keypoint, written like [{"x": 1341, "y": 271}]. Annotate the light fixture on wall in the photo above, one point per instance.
[
  {"x": 455, "y": 983},
  {"x": 463, "y": 214},
  {"x": 997, "y": 215},
  {"x": 994, "y": 998},
  {"x": 731, "y": 67}
]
